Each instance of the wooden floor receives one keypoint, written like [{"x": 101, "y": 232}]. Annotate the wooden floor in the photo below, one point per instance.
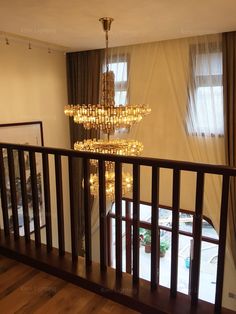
[{"x": 26, "y": 290}]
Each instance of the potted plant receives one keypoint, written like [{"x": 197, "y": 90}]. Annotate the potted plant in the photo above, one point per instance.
[
  {"x": 147, "y": 241},
  {"x": 164, "y": 246}
]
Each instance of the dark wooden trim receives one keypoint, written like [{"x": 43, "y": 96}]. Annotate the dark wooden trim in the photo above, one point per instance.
[
  {"x": 197, "y": 238},
  {"x": 222, "y": 243},
  {"x": 118, "y": 217},
  {"x": 87, "y": 213},
  {"x": 47, "y": 201},
  {"x": 26, "y": 123},
  {"x": 181, "y": 210},
  {"x": 102, "y": 215},
  {"x": 109, "y": 241},
  {"x": 128, "y": 236},
  {"x": 147, "y": 225},
  {"x": 136, "y": 218},
  {"x": 12, "y": 179},
  {"x": 73, "y": 212},
  {"x": 4, "y": 202},
  {"x": 175, "y": 233},
  {"x": 155, "y": 244},
  {"x": 60, "y": 206},
  {"x": 176, "y": 166},
  {"x": 35, "y": 198},
  {"x": 142, "y": 300},
  {"x": 24, "y": 195},
  {"x": 142, "y": 161}
]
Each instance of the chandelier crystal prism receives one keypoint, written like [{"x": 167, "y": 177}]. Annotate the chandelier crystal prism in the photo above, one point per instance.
[{"x": 108, "y": 117}]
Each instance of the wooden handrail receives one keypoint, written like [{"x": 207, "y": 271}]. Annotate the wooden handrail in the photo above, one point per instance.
[
  {"x": 142, "y": 161},
  {"x": 58, "y": 194}
]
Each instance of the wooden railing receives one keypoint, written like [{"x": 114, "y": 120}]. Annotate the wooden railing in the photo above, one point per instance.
[{"x": 127, "y": 289}]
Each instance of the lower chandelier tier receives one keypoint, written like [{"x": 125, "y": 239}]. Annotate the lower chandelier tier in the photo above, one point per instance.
[
  {"x": 127, "y": 184},
  {"x": 115, "y": 147}
]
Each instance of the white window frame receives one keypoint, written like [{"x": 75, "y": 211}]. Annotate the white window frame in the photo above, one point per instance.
[
  {"x": 200, "y": 81},
  {"x": 121, "y": 86}
]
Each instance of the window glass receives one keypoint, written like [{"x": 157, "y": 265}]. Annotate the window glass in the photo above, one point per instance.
[
  {"x": 120, "y": 70},
  {"x": 120, "y": 97},
  {"x": 205, "y": 114},
  {"x": 209, "y": 64}
]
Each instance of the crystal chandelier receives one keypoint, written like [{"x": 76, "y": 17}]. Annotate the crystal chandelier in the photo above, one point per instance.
[
  {"x": 107, "y": 118},
  {"x": 127, "y": 184}
]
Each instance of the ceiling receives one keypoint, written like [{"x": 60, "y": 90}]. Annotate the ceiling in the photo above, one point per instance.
[{"x": 74, "y": 23}]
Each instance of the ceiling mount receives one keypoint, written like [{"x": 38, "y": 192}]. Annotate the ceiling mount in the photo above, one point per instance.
[{"x": 106, "y": 23}]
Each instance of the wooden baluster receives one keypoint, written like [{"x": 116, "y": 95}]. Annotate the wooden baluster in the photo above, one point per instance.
[
  {"x": 47, "y": 201},
  {"x": 136, "y": 214},
  {"x": 87, "y": 213},
  {"x": 35, "y": 198},
  {"x": 25, "y": 206},
  {"x": 109, "y": 240},
  {"x": 60, "y": 210},
  {"x": 222, "y": 243},
  {"x": 4, "y": 196},
  {"x": 197, "y": 238},
  {"x": 118, "y": 222},
  {"x": 175, "y": 232},
  {"x": 102, "y": 214},
  {"x": 12, "y": 179},
  {"x": 128, "y": 233},
  {"x": 155, "y": 245},
  {"x": 73, "y": 211}
]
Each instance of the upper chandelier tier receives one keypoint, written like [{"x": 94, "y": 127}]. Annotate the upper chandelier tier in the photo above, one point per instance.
[
  {"x": 107, "y": 119},
  {"x": 106, "y": 116}
]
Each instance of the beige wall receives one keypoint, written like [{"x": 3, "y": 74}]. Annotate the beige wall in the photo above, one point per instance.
[{"x": 33, "y": 87}]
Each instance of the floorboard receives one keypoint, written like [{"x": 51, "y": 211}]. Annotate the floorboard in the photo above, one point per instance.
[{"x": 25, "y": 290}]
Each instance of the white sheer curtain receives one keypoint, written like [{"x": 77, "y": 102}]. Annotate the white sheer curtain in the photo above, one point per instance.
[
  {"x": 181, "y": 80},
  {"x": 206, "y": 89}
]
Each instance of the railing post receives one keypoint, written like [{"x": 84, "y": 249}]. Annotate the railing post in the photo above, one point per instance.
[
  {"x": 128, "y": 225},
  {"x": 118, "y": 204},
  {"x": 222, "y": 243},
  {"x": 175, "y": 232},
  {"x": 197, "y": 238},
  {"x": 155, "y": 245},
  {"x": 87, "y": 213},
  {"x": 109, "y": 240},
  {"x": 60, "y": 211},
  {"x": 12, "y": 179},
  {"x": 4, "y": 196},
  {"x": 136, "y": 216},
  {"x": 35, "y": 198},
  {"x": 24, "y": 195},
  {"x": 47, "y": 201},
  {"x": 73, "y": 211},
  {"x": 102, "y": 214}
]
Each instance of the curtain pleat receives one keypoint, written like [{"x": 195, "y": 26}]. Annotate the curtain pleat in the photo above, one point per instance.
[
  {"x": 83, "y": 73},
  {"x": 229, "y": 81}
]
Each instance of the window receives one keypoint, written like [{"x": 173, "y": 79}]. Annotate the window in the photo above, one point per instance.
[
  {"x": 120, "y": 69},
  {"x": 209, "y": 247},
  {"x": 205, "y": 114}
]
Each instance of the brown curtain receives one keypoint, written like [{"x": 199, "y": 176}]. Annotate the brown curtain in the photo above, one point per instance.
[
  {"x": 83, "y": 73},
  {"x": 229, "y": 82}
]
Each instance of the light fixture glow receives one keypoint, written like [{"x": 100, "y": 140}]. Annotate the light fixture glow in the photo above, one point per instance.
[{"x": 107, "y": 117}]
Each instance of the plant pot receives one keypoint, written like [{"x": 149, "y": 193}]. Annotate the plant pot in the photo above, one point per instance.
[
  {"x": 162, "y": 253},
  {"x": 147, "y": 248}
]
